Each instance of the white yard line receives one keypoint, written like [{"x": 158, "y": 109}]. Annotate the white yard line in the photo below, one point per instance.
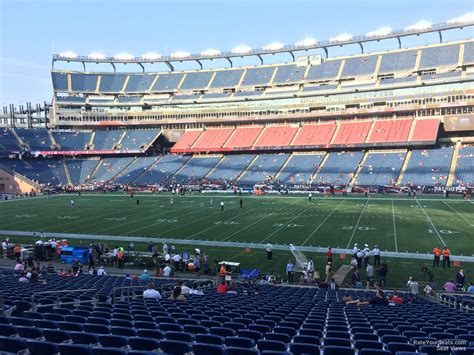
[
  {"x": 357, "y": 224},
  {"x": 394, "y": 228},
  {"x": 459, "y": 214},
  {"x": 284, "y": 225},
  {"x": 217, "y": 225},
  {"x": 253, "y": 223},
  {"x": 429, "y": 219},
  {"x": 323, "y": 221}
]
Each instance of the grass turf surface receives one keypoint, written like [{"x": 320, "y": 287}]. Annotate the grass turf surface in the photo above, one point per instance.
[{"x": 396, "y": 224}]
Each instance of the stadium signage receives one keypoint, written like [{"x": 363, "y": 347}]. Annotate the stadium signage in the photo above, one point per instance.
[{"x": 84, "y": 152}]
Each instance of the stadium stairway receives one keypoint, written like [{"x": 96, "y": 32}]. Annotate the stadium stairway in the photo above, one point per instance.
[
  {"x": 51, "y": 138},
  {"x": 66, "y": 171},
  {"x": 359, "y": 168},
  {"x": 229, "y": 138},
  {"x": 214, "y": 167},
  {"x": 152, "y": 141},
  {"x": 21, "y": 143},
  {"x": 404, "y": 166},
  {"x": 147, "y": 169},
  {"x": 91, "y": 141},
  {"x": 452, "y": 168},
  {"x": 119, "y": 142},
  {"x": 284, "y": 164},
  {"x": 369, "y": 135},
  {"x": 99, "y": 162},
  {"x": 316, "y": 173},
  {"x": 258, "y": 137},
  {"x": 412, "y": 130},
  {"x": 247, "y": 168},
  {"x": 181, "y": 168},
  {"x": 334, "y": 135}
]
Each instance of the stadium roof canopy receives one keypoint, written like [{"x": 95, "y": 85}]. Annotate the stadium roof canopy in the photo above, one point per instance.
[{"x": 266, "y": 50}]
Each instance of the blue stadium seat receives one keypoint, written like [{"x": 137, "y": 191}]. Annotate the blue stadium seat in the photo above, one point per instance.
[
  {"x": 74, "y": 349},
  {"x": 175, "y": 346},
  {"x": 338, "y": 350},
  {"x": 7, "y": 330},
  {"x": 29, "y": 332},
  {"x": 208, "y": 349},
  {"x": 108, "y": 351},
  {"x": 222, "y": 331},
  {"x": 374, "y": 352},
  {"x": 304, "y": 348},
  {"x": 252, "y": 334},
  {"x": 150, "y": 333},
  {"x": 37, "y": 347},
  {"x": 394, "y": 347},
  {"x": 56, "y": 336},
  {"x": 83, "y": 338},
  {"x": 140, "y": 343},
  {"x": 278, "y": 336},
  {"x": 12, "y": 345},
  {"x": 271, "y": 345},
  {"x": 188, "y": 337},
  {"x": 240, "y": 342},
  {"x": 232, "y": 350},
  {"x": 209, "y": 339},
  {"x": 113, "y": 341}
]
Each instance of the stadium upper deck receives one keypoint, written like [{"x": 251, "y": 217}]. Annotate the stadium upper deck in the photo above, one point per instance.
[{"x": 423, "y": 81}]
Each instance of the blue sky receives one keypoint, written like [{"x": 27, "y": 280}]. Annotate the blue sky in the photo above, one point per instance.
[{"x": 31, "y": 30}]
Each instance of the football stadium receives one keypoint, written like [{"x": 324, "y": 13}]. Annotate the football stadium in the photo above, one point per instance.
[{"x": 284, "y": 199}]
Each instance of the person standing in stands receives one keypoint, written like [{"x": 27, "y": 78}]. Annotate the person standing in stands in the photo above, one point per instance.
[
  {"x": 290, "y": 271},
  {"x": 460, "y": 279},
  {"x": 412, "y": 286},
  {"x": 120, "y": 258},
  {"x": 269, "y": 250},
  {"x": 376, "y": 252},
  {"x": 366, "y": 255},
  {"x": 436, "y": 255},
  {"x": 329, "y": 255},
  {"x": 446, "y": 253}
]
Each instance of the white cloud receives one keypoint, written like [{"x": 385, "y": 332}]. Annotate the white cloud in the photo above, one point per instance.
[
  {"x": 341, "y": 37},
  {"x": 469, "y": 17},
  {"x": 420, "y": 25}
]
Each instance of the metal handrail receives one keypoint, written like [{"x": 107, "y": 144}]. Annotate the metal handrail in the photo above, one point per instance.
[{"x": 57, "y": 293}]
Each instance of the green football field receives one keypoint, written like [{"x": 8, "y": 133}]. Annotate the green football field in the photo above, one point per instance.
[{"x": 396, "y": 224}]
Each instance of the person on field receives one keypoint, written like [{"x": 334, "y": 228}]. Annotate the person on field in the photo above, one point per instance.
[
  {"x": 72, "y": 203},
  {"x": 310, "y": 195},
  {"x": 222, "y": 205},
  {"x": 269, "y": 250},
  {"x": 241, "y": 203},
  {"x": 436, "y": 255},
  {"x": 446, "y": 254}
]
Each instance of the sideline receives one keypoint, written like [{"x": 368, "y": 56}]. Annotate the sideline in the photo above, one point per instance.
[{"x": 128, "y": 239}]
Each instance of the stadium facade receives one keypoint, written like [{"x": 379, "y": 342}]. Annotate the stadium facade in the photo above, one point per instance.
[{"x": 388, "y": 120}]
